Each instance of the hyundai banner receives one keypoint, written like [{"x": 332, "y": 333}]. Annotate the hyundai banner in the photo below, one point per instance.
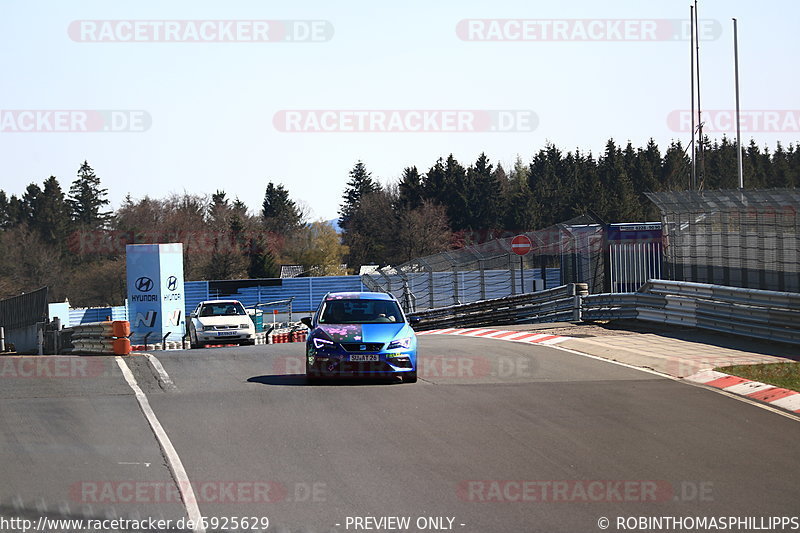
[{"x": 155, "y": 292}]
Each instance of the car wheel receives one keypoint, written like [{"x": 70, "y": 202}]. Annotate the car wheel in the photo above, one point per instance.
[
  {"x": 312, "y": 377},
  {"x": 249, "y": 342},
  {"x": 410, "y": 377}
]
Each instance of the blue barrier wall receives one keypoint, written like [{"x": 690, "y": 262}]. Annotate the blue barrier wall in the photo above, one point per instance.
[
  {"x": 307, "y": 292},
  {"x": 84, "y": 315}
]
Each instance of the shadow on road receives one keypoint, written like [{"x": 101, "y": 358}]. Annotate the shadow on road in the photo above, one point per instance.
[{"x": 295, "y": 380}]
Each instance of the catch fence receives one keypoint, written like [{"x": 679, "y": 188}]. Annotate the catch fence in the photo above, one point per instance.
[{"x": 738, "y": 238}]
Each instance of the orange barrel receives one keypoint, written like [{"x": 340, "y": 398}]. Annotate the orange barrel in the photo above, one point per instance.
[{"x": 120, "y": 328}]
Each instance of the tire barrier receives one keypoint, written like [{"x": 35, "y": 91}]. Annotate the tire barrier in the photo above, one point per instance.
[
  {"x": 277, "y": 336},
  {"x": 103, "y": 338}
]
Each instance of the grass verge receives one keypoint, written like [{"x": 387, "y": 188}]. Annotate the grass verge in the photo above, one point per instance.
[{"x": 784, "y": 375}]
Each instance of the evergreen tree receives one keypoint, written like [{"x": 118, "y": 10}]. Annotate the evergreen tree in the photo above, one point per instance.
[
  {"x": 435, "y": 184},
  {"x": 484, "y": 196},
  {"x": 410, "y": 193},
  {"x": 625, "y": 206},
  {"x": 279, "y": 213},
  {"x": 5, "y": 220},
  {"x": 521, "y": 210},
  {"x": 30, "y": 203},
  {"x": 219, "y": 209},
  {"x": 675, "y": 169},
  {"x": 360, "y": 185},
  {"x": 51, "y": 216},
  {"x": 457, "y": 195},
  {"x": 87, "y": 199}
]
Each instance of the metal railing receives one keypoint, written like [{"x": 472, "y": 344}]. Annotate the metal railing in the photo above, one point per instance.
[
  {"x": 556, "y": 304},
  {"x": 752, "y": 313}
]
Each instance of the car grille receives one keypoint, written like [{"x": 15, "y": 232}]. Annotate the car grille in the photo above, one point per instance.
[
  {"x": 354, "y": 368},
  {"x": 367, "y": 346},
  {"x": 222, "y": 328}
]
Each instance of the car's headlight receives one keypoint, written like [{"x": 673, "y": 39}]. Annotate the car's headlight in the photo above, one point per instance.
[
  {"x": 321, "y": 343},
  {"x": 244, "y": 326},
  {"x": 399, "y": 343},
  {"x": 208, "y": 328}
]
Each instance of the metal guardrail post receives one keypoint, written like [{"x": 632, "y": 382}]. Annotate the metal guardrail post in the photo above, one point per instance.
[
  {"x": 2, "y": 339},
  {"x": 455, "y": 286},
  {"x": 147, "y": 336},
  {"x": 56, "y": 335},
  {"x": 576, "y": 308},
  {"x": 164, "y": 341},
  {"x": 40, "y": 337}
]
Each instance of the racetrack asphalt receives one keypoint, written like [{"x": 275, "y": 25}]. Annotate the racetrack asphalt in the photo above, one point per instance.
[{"x": 496, "y": 436}]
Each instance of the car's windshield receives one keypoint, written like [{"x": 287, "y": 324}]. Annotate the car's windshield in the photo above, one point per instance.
[
  {"x": 223, "y": 309},
  {"x": 361, "y": 311}
]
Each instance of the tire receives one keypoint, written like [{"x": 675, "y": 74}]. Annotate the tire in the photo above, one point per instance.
[
  {"x": 311, "y": 377},
  {"x": 410, "y": 377},
  {"x": 250, "y": 342}
]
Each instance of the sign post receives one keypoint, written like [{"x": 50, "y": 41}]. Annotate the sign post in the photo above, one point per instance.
[{"x": 521, "y": 245}]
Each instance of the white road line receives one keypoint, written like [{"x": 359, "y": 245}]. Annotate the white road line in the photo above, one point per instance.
[
  {"x": 745, "y": 399},
  {"x": 175, "y": 464},
  {"x": 162, "y": 374}
]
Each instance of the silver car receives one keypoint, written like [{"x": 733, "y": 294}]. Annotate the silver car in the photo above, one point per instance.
[{"x": 220, "y": 322}]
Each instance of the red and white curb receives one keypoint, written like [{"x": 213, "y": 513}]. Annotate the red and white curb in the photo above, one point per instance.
[
  {"x": 500, "y": 334},
  {"x": 776, "y": 396}
]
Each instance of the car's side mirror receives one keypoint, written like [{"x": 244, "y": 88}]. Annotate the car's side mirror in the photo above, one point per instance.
[
  {"x": 192, "y": 315},
  {"x": 413, "y": 321},
  {"x": 306, "y": 321}
]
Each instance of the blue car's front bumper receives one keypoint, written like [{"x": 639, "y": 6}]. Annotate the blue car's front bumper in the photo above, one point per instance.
[{"x": 335, "y": 361}]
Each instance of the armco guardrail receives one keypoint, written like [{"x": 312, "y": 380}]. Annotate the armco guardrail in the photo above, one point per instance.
[
  {"x": 107, "y": 338},
  {"x": 747, "y": 312},
  {"x": 560, "y": 303}
]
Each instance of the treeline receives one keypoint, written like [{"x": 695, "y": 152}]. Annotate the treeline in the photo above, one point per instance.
[
  {"x": 72, "y": 242},
  {"x": 450, "y": 204}
]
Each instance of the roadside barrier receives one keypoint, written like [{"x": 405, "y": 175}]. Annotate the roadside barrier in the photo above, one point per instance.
[
  {"x": 557, "y": 304},
  {"x": 769, "y": 315},
  {"x": 106, "y": 338},
  {"x": 753, "y": 313}
]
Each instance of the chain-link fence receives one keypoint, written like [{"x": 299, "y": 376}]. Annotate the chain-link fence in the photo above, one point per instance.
[
  {"x": 741, "y": 238},
  {"x": 571, "y": 252}
]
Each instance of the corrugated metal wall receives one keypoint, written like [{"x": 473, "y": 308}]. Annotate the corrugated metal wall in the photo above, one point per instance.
[
  {"x": 85, "y": 315},
  {"x": 307, "y": 292}
]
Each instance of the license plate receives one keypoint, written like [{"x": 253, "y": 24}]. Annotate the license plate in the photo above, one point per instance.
[
  {"x": 364, "y": 358},
  {"x": 223, "y": 333}
]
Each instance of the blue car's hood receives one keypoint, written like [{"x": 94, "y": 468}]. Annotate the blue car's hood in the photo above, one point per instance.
[{"x": 363, "y": 332}]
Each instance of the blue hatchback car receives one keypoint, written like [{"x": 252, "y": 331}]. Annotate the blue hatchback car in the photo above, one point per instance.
[{"x": 360, "y": 334}]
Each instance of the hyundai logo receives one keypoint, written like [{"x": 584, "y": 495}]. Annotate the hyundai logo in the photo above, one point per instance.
[
  {"x": 363, "y": 347},
  {"x": 172, "y": 283},
  {"x": 144, "y": 284}
]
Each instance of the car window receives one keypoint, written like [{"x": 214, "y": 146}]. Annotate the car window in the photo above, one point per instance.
[
  {"x": 223, "y": 309},
  {"x": 361, "y": 311}
]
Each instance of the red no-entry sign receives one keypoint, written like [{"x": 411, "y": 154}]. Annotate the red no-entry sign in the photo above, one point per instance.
[{"x": 521, "y": 245}]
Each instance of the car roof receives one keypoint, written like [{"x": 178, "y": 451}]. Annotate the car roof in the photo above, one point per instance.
[
  {"x": 358, "y": 296},
  {"x": 220, "y": 302}
]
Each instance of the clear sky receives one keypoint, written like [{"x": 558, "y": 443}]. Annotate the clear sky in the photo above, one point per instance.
[{"x": 208, "y": 109}]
